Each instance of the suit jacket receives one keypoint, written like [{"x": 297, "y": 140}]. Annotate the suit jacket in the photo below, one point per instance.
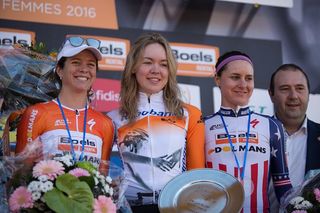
[{"x": 313, "y": 146}]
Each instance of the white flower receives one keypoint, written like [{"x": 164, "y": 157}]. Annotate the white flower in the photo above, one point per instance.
[
  {"x": 36, "y": 196},
  {"x": 304, "y": 205},
  {"x": 106, "y": 188},
  {"x": 111, "y": 191},
  {"x": 101, "y": 177},
  {"x": 46, "y": 186},
  {"x": 108, "y": 179},
  {"x": 49, "y": 185},
  {"x": 66, "y": 159},
  {"x": 96, "y": 181},
  {"x": 34, "y": 186},
  {"x": 296, "y": 200},
  {"x": 43, "y": 178}
]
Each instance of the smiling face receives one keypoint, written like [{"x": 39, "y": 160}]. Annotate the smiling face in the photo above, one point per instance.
[
  {"x": 291, "y": 95},
  {"x": 78, "y": 72},
  {"x": 152, "y": 70},
  {"x": 236, "y": 84}
]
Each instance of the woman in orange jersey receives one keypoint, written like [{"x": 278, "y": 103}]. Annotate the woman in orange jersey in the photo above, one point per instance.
[
  {"x": 68, "y": 123},
  {"x": 158, "y": 136}
]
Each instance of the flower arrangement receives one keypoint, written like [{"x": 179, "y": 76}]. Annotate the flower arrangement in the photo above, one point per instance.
[
  {"x": 61, "y": 185},
  {"x": 305, "y": 199},
  {"x": 26, "y": 77}
]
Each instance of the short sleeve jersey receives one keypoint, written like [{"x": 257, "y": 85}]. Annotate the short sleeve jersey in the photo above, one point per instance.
[
  {"x": 44, "y": 122},
  {"x": 265, "y": 153}
]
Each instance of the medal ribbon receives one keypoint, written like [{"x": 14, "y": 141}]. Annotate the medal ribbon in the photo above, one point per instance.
[
  {"x": 69, "y": 134},
  {"x": 232, "y": 147}
]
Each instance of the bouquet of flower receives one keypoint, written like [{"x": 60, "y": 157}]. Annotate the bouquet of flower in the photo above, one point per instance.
[
  {"x": 304, "y": 199},
  {"x": 26, "y": 77},
  {"x": 58, "y": 184}
]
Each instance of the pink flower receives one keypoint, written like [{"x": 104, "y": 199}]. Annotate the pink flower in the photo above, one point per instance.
[
  {"x": 78, "y": 172},
  {"x": 104, "y": 205},
  {"x": 49, "y": 168},
  {"x": 316, "y": 192},
  {"x": 20, "y": 198}
]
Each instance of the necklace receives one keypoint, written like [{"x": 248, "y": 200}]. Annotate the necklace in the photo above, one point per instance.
[
  {"x": 232, "y": 147},
  {"x": 69, "y": 134}
]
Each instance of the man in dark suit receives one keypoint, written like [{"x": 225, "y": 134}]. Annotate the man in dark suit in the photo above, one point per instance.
[{"x": 289, "y": 91}]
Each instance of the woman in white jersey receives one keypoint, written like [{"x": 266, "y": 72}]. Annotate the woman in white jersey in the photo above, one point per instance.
[
  {"x": 158, "y": 136},
  {"x": 243, "y": 143}
]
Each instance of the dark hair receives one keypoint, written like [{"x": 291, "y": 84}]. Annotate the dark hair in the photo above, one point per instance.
[
  {"x": 225, "y": 56},
  {"x": 61, "y": 64},
  {"x": 287, "y": 67}
]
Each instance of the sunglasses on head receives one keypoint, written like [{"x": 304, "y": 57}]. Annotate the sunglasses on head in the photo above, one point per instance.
[{"x": 77, "y": 41}]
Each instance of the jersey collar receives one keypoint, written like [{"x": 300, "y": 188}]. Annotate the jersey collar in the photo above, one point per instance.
[
  {"x": 242, "y": 111},
  {"x": 156, "y": 98}
]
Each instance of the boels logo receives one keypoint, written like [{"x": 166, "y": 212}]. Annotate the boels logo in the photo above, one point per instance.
[
  {"x": 9, "y": 37},
  {"x": 114, "y": 52},
  {"x": 195, "y": 59}
]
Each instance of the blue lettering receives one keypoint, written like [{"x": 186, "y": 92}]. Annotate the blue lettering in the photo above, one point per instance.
[{"x": 153, "y": 112}]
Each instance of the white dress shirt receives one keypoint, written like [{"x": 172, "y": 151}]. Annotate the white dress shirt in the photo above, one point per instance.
[{"x": 296, "y": 151}]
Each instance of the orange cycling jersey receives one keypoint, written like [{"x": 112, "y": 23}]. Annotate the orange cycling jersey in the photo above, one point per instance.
[
  {"x": 45, "y": 122},
  {"x": 157, "y": 146}
]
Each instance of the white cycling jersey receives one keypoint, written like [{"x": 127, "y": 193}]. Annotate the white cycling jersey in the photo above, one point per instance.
[
  {"x": 265, "y": 153},
  {"x": 157, "y": 146}
]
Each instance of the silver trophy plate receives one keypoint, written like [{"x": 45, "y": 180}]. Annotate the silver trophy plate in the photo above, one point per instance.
[{"x": 202, "y": 191}]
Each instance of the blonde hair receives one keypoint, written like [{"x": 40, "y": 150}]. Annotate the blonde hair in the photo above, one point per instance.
[{"x": 129, "y": 95}]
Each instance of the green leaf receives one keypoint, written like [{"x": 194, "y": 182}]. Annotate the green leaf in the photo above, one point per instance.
[
  {"x": 87, "y": 166},
  {"x": 71, "y": 195},
  {"x": 89, "y": 180}
]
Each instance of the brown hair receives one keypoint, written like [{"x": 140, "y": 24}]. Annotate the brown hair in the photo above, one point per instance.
[{"x": 129, "y": 95}]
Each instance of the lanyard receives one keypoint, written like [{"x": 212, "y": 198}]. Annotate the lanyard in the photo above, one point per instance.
[
  {"x": 69, "y": 134},
  {"x": 232, "y": 147}
]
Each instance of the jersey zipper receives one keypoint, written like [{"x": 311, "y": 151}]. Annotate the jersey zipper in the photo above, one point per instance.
[
  {"x": 151, "y": 152},
  {"x": 77, "y": 119}
]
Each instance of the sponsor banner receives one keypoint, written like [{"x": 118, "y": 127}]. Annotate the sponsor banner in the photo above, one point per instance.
[
  {"x": 94, "y": 13},
  {"x": 114, "y": 52},
  {"x": 9, "y": 37},
  {"x": 259, "y": 102},
  {"x": 276, "y": 3},
  {"x": 106, "y": 94},
  {"x": 195, "y": 59},
  {"x": 191, "y": 94}
]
